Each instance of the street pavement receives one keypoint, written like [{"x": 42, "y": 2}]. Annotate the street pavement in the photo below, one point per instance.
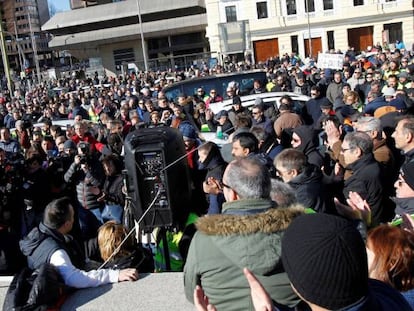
[{"x": 152, "y": 292}]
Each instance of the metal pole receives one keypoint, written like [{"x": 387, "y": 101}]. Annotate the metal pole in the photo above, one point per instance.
[
  {"x": 144, "y": 52},
  {"x": 5, "y": 59},
  {"x": 309, "y": 30},
  {"x": 34, "y": 46},
  {"x": 21, "y": 59}
]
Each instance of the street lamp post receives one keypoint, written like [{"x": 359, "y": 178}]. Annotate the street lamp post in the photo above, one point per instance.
[
  {"x": 309, "y": 29},
  {"x": 34, "y": 47},
  {"x": 144, "y": 53},
  {"x": 5, "y": 59}
]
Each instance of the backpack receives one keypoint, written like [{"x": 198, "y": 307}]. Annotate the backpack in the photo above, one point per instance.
[{"x": 36, "y": 290}]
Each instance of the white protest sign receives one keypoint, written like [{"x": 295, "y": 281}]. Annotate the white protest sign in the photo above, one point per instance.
[{"x": 332, "y": 61}]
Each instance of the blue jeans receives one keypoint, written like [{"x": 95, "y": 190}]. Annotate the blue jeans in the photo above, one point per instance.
[{"x": 112, "y": 212}]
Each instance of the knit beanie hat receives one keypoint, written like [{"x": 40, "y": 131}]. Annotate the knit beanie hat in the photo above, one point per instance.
[
  {"x": 188, "y": 131},
  {"x": 325, "y": 259},
  {"x": 407, "y": 172},
  {"x": 69, "y": 144}
]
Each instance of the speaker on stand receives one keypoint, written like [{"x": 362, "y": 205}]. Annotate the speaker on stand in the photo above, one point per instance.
[{"x": 157, "y": 175}]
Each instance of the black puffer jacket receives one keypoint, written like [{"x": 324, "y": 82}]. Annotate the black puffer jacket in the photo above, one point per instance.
[
  {"x": 366, "y": 180},
  {"x": 308, "y": 188},
  {"x": 113, "y": 190},
  {"x": 85, "y": 181}
]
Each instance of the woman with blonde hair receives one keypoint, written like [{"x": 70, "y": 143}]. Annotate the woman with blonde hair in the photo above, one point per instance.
[
  {"x": 117, "y": 255},
  {"x": 352, "y": 98}
]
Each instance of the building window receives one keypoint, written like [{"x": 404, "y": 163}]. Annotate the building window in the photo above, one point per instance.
[
  {"x": 231, "y": 15},
  {"x": 358, "y": 2},
  {"x": 124, "y": 56},
  {"x": 309, "y": 6},
  {"x": 291, "y": 7},
  {"x": 331, "y": 40},
  {"x": 261, "y": 9},
  {"x": 394, "y": 31},
  {"x": 294, "y": 43},
  {"x": 328, "y": 4}
]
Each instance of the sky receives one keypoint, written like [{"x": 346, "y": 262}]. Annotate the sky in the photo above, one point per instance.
[{"x": 60, "y": 5}]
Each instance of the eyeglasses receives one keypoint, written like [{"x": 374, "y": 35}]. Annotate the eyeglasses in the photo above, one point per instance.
[
  {"x": 255, "y": 113},
  {"x": 223, "y": 185}
]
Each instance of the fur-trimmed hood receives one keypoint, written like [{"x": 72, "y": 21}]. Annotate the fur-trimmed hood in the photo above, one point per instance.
[{"x": 271, "y": 221}]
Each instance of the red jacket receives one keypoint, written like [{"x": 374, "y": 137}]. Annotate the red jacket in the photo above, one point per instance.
[{"x": 95, "y": 145}]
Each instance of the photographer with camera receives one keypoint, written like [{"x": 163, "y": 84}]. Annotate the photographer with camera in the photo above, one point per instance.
[
  {"x": 58, "y": 164},
  {"x": 86, "y": 174},
  {"x": 82, "y": 135},
  {"x": 35, "y": 192},
  {"x": 11, "y": 176}
]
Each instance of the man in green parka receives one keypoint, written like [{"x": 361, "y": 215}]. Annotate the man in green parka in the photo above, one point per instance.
[{"x": 248, "y": 234}]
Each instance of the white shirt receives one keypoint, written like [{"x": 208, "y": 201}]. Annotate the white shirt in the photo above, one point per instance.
[{"x": 77, "y": 278}]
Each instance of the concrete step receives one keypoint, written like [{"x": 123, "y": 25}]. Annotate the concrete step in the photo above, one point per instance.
[{"x": 152, "y": 292}]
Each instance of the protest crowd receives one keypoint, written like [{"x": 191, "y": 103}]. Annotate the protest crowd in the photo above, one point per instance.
[{"x": 314, "y": 199}]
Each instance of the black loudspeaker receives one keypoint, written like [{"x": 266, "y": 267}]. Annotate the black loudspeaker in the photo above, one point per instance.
[{"x": 156, "y": 164}]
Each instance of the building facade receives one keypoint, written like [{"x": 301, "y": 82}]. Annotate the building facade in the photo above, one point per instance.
[
  {"x": 25, "y": 42},
  {"x": 78, "y": 4},
  {"x": 110, "y": 34},
  {"x": 265, "y": 29}
]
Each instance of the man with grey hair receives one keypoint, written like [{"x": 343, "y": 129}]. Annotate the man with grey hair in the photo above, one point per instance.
[
  {"x": 282, "y": 193},
  {"x": 246, "y": 234},
  {"x": 373, "y": 127},
  {"x": 384, "y": 156},
  {"x": 366, "y": 178}
]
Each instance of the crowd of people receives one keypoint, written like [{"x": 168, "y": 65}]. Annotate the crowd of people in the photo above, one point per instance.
[{"x": 289, "y": 180}]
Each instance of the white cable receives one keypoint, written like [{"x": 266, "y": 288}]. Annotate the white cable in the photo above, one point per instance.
[{"x": 130, "y": 232}]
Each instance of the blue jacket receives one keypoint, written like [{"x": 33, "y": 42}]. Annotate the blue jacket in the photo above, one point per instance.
[
  {"x": 381, "y": 297},
  {"x": 374, "y": 105}
]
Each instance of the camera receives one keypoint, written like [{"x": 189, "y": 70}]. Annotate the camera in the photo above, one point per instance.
[
  {"x": 83, "y": 159},
  {"x": 84, "y": 147}
]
